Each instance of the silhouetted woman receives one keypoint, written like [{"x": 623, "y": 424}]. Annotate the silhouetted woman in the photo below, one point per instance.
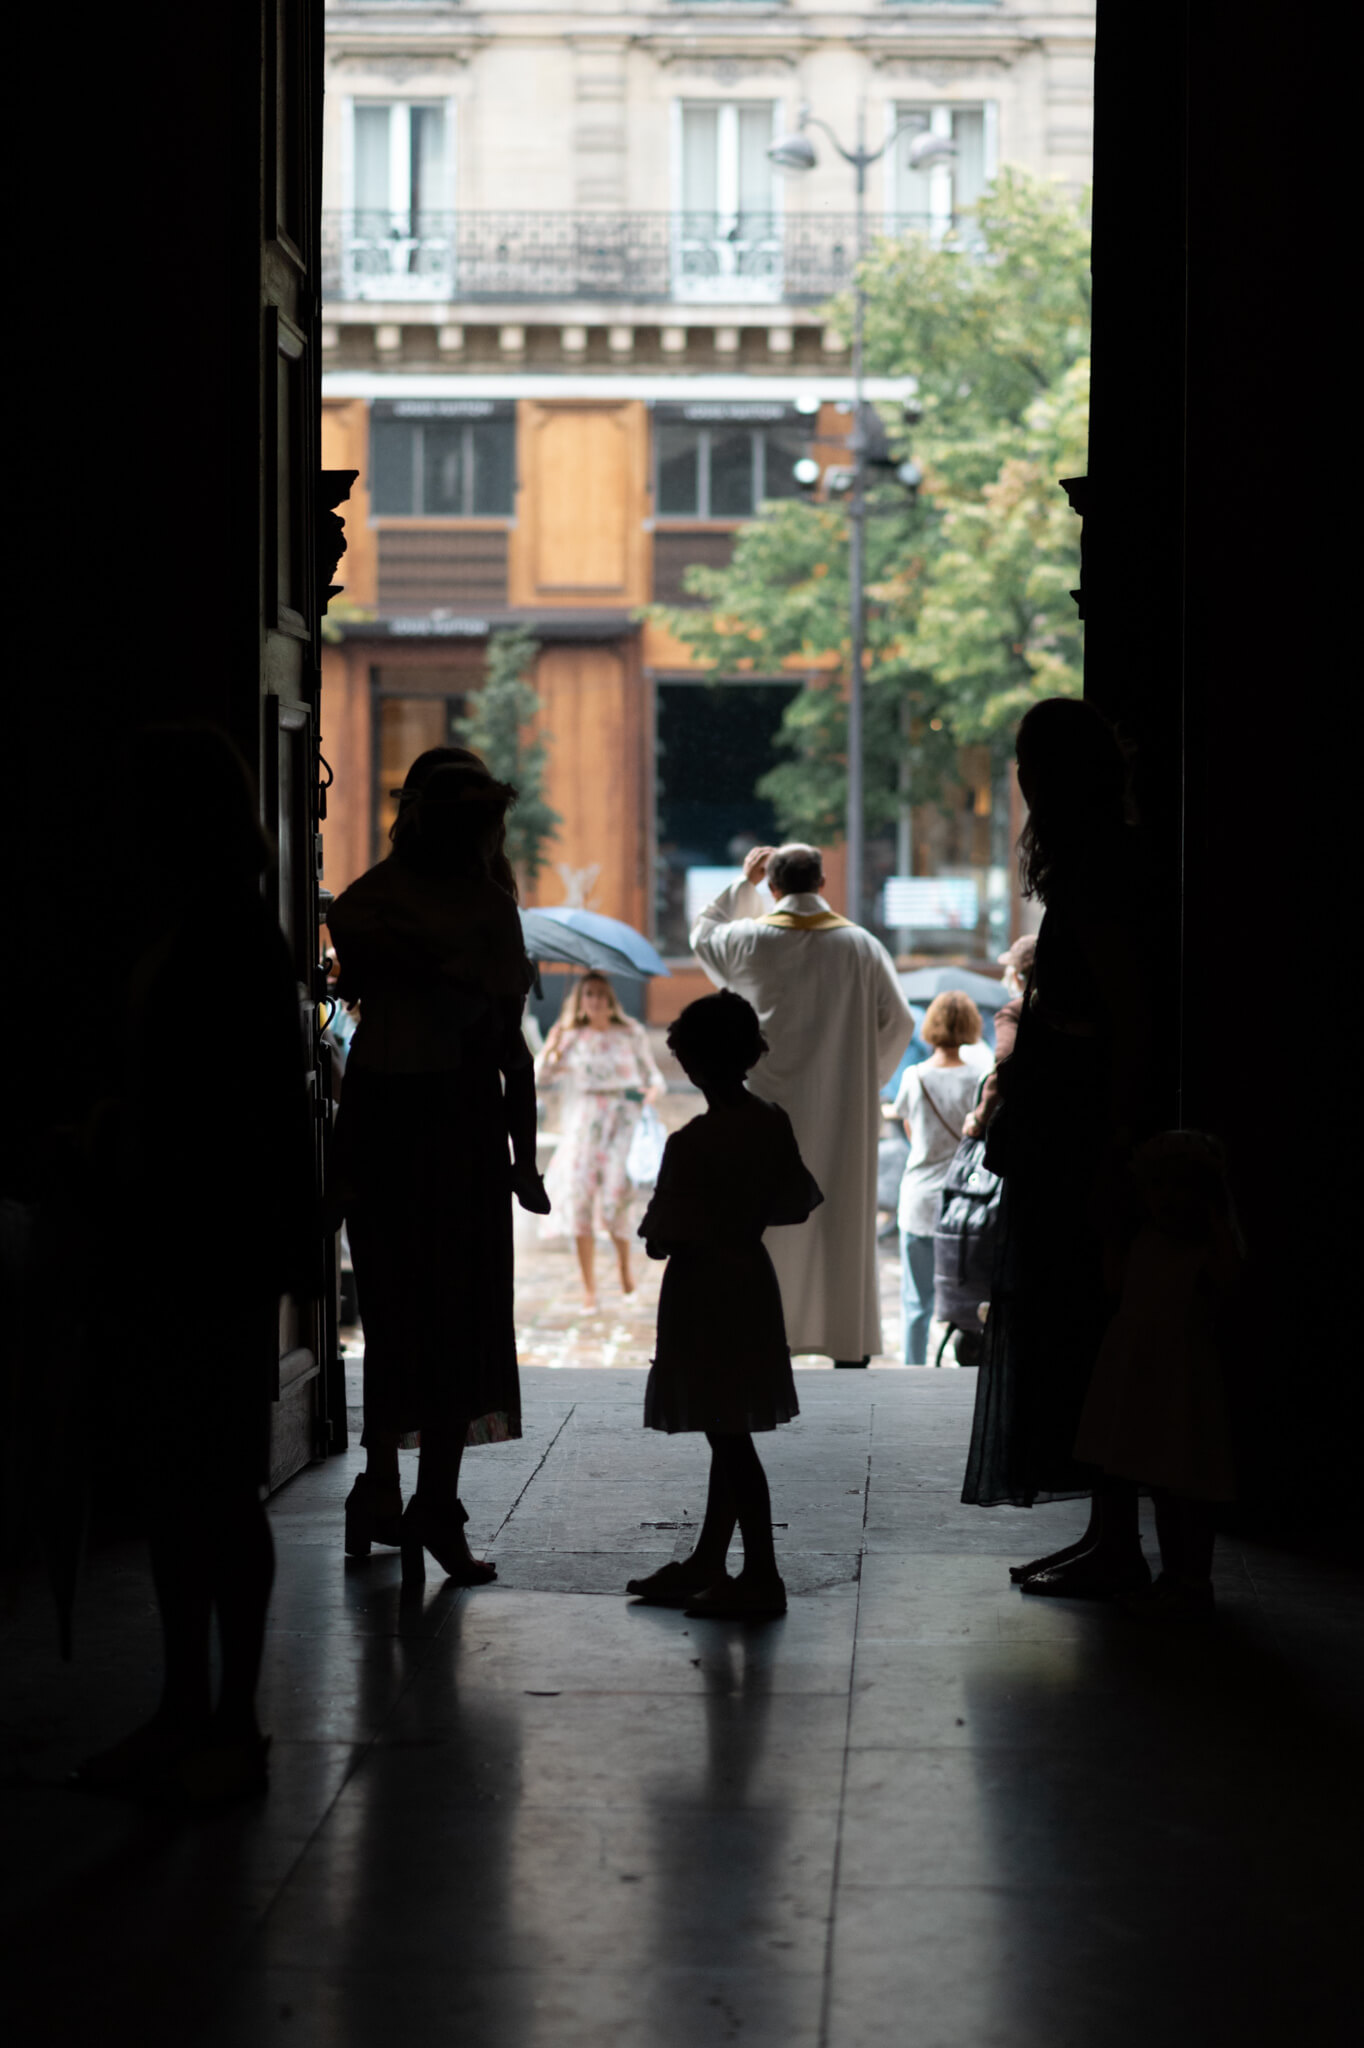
[
  {"x": 1073, "y": 1099},
  {"x": 430, "y": 946},
  {"x": 201, "y": 1154}
]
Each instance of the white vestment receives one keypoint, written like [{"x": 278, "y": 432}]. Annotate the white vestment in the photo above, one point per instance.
[{"x": 836, "y": 1024}]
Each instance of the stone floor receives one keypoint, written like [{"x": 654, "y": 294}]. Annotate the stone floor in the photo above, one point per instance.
[{"x": 922, "y": 1811}]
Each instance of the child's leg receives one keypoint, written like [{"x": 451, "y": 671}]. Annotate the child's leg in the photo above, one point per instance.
[
  {"x": 622, "y": 1244},
  {"x": 741, "y": 1468},
  {"x": 673, "y": 1584},
  {"x": 584, "y": 1245},
  {"x": 1185, "y": 1532},
  {"x": 717, "y": 1530}
]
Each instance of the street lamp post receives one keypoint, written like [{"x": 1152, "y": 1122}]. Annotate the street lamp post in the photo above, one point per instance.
[{"x": 797, "y": 153}]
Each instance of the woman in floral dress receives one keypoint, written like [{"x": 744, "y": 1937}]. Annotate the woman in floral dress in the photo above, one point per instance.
[{"x": 602, "y": 1059}]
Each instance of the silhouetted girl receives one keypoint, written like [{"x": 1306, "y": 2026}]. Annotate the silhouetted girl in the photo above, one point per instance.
[
  {"x": 1156, "y": 1409},
  {"x": 430, "y": 945},
  {"x": 722, "y": 1364}
]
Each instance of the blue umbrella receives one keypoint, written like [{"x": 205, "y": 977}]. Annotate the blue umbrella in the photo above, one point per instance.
[
  {"x": 551, "y": 944},
  {"x": 609, "y": 931}
]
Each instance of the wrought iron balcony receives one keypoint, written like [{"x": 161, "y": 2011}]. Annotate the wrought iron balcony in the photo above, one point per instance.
[{"x": 681, "y": 258}]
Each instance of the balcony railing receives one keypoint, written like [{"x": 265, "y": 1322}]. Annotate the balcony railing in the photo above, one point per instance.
[{"x": 686, "y": 258}]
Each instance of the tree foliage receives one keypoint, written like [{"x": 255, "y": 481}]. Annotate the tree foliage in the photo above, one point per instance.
[
  {"x": 969, "y": 617},
  {"x": 499, "y": 726}
]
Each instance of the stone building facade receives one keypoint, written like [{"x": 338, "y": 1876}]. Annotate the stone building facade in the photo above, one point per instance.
[{"x": 574, "y": 332}]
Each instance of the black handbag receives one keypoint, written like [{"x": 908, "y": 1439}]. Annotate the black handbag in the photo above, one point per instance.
[{"x": 964, "y": 1240}]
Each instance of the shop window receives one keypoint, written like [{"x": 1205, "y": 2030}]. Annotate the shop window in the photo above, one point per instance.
[
  {"x": 725, "y": 471},
  {"x": 433, "y": 459},
  {"x": 405, "y": 726},
  {"x": 714, "y": 742}
]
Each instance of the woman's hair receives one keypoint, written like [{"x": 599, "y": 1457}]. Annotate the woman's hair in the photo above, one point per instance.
[
  {"x": 574, "y": 1011},
  {"x": 795, "y": 870},
  {"x": 718, "y": 1036},
  {"x": 455, "y": 825},
  {"x": 952, "y": 1020},
  {"x": 1080, "y": 810},
  {"x": 414, "y": 782}
]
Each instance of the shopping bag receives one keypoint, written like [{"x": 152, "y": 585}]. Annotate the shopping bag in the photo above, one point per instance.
[{"x": 646, "y": 1149}]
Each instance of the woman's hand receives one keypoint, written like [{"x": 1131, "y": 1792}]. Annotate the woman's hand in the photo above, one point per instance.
[
  {"x": 651, "y": 1095},
  {"x": 529, "y": 1188}
]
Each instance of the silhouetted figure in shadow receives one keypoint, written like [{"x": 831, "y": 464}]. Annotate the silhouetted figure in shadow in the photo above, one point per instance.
[
  {"x": 519, "y": 1085},
  {"x": 203, "y": 1155},
  {"x": 1156, "y": 1407},
  {"x": 1073, "y": 1096},
  {"x": 430, "y": 946},
  {"x": 722, "y": 1363}
]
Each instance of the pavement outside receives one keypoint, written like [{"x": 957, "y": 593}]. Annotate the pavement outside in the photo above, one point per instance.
[{"x": 922, "y": 1811}]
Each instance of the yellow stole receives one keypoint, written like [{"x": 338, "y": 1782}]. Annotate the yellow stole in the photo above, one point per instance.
[{"x": 804, "y": 921}]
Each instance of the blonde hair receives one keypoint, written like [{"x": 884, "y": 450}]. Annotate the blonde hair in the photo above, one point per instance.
[
  {"x": 952, "y": 1020},
  {"x": 573, "y": 1013}
]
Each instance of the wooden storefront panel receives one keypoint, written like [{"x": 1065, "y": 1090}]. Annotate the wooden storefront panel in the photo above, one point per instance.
[
  {"x": 590, "y": 715},
  {"x": 580, "y": 537}
]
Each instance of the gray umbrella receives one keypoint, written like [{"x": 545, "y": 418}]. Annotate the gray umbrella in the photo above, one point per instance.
[
  {"x": 551, "y": 944},
  {"x": 924, "y": 983}
]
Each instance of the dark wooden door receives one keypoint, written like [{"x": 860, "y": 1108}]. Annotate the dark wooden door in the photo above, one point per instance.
[{"x": 309, "y": 1412}]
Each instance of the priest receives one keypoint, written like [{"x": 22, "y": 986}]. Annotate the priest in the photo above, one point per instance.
[{"x": 836, "y": 1024}]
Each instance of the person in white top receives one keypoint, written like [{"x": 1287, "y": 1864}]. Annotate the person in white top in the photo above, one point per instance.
[
  {"x": 934, "y": 1099},
  {"x": 603, "y": 1060},
  {"x": 835, "y": 1020}
]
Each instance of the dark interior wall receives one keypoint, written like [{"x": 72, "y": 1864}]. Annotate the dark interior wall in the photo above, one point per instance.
[
  {"x": 136, "y": 437},
  {"x": 1211, "y": 559}
]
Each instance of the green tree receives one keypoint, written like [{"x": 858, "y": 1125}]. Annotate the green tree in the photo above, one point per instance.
[
  {"x": 968, "y": 612},
  {"x": 498, "y": 726}
]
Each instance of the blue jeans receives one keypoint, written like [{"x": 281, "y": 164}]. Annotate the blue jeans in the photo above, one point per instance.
[{"x": 916, "y": 1294}]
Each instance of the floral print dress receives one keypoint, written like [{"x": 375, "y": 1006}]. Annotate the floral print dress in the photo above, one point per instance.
[{"x": 604, "y": 1075}]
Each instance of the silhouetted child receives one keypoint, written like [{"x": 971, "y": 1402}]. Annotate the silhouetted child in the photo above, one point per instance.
[
  {"x": 722, "y": 1363},
  {"x": 1156, "y": 1411}
]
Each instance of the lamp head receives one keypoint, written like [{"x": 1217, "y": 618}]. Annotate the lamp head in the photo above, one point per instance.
[
  {"x": 793, "y": 153},
  {"x": 927, "y": 151}
]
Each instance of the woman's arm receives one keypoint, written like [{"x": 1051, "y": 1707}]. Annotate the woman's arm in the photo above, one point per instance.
[{"x": 650, "y": 1073}]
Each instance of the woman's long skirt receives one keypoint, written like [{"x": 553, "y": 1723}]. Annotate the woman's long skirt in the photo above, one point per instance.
[
  {"x": 1048, "y": 1305},
  {"x": 425, "y": 1163}
]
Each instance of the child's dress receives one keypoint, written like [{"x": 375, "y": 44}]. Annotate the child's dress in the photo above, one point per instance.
[
  {"x": 1155, "y": 1411},
  {"x": 722, "y": 1362}
]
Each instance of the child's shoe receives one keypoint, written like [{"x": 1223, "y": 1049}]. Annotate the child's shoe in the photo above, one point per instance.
[
  {"x": 741, "y": 1599},
  {"x": 1173, "y": 1603},
  {"x": 672, "y": 1585}
]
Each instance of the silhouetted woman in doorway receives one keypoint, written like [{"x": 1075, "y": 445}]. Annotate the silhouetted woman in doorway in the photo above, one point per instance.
[
  {"x": 1074, "y": 1101},
  {"x": 438, "y": 1076}
]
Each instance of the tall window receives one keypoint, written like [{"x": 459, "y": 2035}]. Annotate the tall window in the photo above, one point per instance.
[
  {"x": 399, "y": 231},
  {"x": 727, "y": 244},
  {"x": 936, "y": 200},
  {"x": 447, "y": 458},
  {"x": 723, "y": 467}
]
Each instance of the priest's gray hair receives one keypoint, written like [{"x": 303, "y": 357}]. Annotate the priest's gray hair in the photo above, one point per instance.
[{"x": 795, "y": 870}]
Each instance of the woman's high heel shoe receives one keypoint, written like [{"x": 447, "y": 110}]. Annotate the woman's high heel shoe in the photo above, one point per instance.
[
  {"x": 442, "y": 1533},
  {"x": 374, "y": 1514}
]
